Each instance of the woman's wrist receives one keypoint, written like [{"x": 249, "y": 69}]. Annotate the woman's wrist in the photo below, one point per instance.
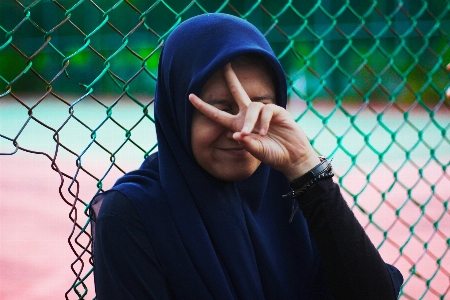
[
  {"x": 319, "y": 172},
  {"x": 302, "y": 168}
]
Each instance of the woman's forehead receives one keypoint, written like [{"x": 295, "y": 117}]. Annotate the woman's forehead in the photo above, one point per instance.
[{"x": 252, "y": 77}]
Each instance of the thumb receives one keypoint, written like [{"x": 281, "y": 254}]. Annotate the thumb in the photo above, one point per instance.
[{"x": 252, "y": 145}]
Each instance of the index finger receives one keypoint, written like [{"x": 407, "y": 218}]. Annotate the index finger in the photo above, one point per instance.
[
  {"x": 235, "y": 86},
  {"x": 212, "y": 112}
]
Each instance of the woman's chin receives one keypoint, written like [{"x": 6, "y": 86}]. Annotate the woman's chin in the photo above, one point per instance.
[
  {"x": 234, "y": 177},
  {"x": 235, "y": 174},
  {"x": 231, "y": 169},
  {"x": 232, "y": 174}
]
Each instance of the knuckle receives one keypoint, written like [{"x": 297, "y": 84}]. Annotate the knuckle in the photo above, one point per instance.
[
  {"x": 215, "y": 115},
  {"x": 234, "y": 89}
]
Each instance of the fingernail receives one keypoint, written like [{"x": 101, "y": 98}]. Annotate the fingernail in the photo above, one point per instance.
[{"x": 245, "y": 129}]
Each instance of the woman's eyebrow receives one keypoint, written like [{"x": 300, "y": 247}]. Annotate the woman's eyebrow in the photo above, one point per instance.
[
  {"x": 216, "y": 101},
  {"x": 263, "y": 97}
]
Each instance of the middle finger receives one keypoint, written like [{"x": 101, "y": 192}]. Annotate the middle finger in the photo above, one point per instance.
[
  {"x": 235, "y": 86},
  {"x": 252, "y": 116}
]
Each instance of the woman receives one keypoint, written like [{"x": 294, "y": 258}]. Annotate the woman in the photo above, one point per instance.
[{"x": 205, "y": 218}]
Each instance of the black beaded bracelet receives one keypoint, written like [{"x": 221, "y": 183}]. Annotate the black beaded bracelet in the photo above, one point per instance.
[
  {"x": 311, "y": 183},
  {"x": 323, "y": 167},
  {"x": 297, "y": 195},
  {"x": 304, "y": 182}
]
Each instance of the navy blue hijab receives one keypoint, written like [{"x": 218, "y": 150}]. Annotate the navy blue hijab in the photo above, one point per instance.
[{"x": 216, "y": 239}]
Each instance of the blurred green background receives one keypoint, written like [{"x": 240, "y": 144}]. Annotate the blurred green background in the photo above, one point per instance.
[{"x": 376, "y": 42}]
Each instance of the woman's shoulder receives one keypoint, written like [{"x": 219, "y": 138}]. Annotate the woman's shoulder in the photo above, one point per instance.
[
  {"x": 142, "y": 181},
  {"x": 128, "y": 191},
  {"x": 116, "y": 203}
]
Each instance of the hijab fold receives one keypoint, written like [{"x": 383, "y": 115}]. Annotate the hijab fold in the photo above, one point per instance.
[{"x": 216, "y": 239}]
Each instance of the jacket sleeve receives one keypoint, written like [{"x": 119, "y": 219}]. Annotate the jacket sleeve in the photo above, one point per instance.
[
  {"x": 352, "y": 264},
  {"x": 125, "y": 264}
]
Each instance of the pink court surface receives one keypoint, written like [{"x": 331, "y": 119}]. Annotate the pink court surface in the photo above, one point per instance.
[{"x": 35, "y": 257}]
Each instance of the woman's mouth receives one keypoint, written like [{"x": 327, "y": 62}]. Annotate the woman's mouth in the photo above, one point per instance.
[{"x": 235, "y": 151}]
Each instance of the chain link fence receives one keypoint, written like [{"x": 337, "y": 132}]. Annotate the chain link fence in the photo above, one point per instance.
[{"x": 367, "y": 82}]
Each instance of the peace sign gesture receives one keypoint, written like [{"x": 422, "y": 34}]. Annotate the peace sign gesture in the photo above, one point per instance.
[{"x": 264, "y": 129}]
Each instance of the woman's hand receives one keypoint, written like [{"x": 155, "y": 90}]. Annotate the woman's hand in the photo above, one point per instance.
[{"x": 267, "y": 131}]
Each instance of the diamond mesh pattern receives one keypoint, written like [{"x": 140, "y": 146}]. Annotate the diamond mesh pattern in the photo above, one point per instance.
[{"x": 367, "y": 83}]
